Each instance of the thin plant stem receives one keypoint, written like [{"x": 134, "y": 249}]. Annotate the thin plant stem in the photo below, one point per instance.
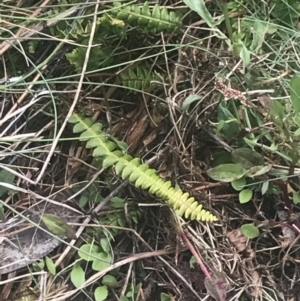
[
  {"x": 196, "y": 255},
  {"x": 226, "y": 17}
]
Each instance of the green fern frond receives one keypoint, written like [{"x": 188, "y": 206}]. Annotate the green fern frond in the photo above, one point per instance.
[
  {"x": 138, "y": 173},
  {"x": 156, "y": 19},
  {"x": 139, "y": 79},
  {"x": 98, "y": 58}
]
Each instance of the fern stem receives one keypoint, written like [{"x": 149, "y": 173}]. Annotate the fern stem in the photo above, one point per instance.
[{"x": 138, "y": 173}]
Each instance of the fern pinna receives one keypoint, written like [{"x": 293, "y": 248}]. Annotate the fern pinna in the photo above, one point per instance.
[
  {"x": 155, "y": 19},
  {"x": 138, "y": 173}
]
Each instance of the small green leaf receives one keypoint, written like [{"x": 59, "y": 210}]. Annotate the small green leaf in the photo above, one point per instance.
[
  {"x": 245, "y": 56},
  {"x": 77, "y": 276},
  {"x": 122, "y": 222},
  {"x": 188, "y": 101},
  {"x": 78, "y": 128},
  {"x": 97, "y": 127},
  {"x": 199, "y": 7},
  {"x": 239, "y": 184},
  {"x": 258, "y": 170},
  {"x": 117, "y": 202},
  {"x": 104, "y": 243},
  {"x": 245, "y": 196},
  {"x": 250, "y": 231},
  {"x": 83, "y": 200},
  {"x": 264, "y": 187},
  {"x": 295, "y": 92},
  {"x": 102, "y": 263},
  {"x": 109, "y": 280},
  {"x": 297, "y": 133},
  {"x": 75, "y": 118},
  {"x": 192, "y": 262},
  {"x": 50, "y": 265},
  {"x": 119, "y": 167},
  {"x": 296, "y": 198},
  {"x": 247, "y": 157},
  {"x": 93, "y": 142},
  {"x": 229, "y": 125},
  {"x": 40, "y": 265},
  {"x": 2, "y": 214},
  {"x": 109, "y": 161},
  {"x": 121, "y": 144},
  {"x": 277, "y": 110},
  {"x": 165, "y": 297},
  {"x": 88, "y": 252},
  {"x": 124, "y": 298},
  {"x": 259, "y": 30},
  {"x": 227, "y": 172},
  {"x": 58, "y": 226},
  {"x": 101, "y": 293},
  {"x": 100, "y": 150},
  {"x": 6, "y": 177}
]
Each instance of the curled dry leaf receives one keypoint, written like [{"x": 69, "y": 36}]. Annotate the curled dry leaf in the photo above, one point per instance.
[
  {"x": 216, "y": 286},
  {"x": 289, "y": 235},
  {"x": 238, "y": 239}
]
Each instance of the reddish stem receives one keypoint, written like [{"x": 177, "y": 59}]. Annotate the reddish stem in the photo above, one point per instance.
[{"x": 196, "y": 255}]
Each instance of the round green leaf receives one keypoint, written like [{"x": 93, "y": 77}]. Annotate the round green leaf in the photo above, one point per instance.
[
  {"x": 88, "y": 252},
  {"x": 109, "y": 280},
  {"x": 247, "y": 157},
  {"x": 101, "y": 293},
  {"x": 245, "y": 196},
  {"x": 250, "y": 231},
  {"x": 227, "y": 172},
  {"x": 238, "y": 184}
]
